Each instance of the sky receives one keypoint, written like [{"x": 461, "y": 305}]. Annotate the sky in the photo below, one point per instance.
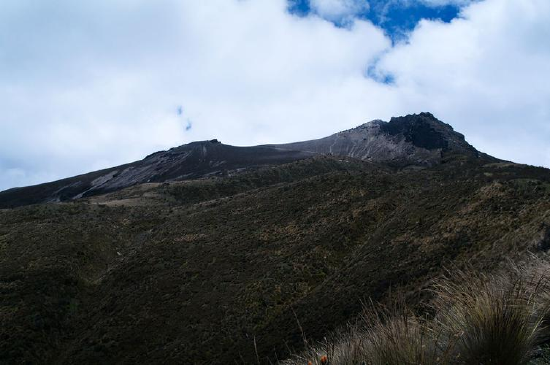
[{"x": 86, "y": 85}]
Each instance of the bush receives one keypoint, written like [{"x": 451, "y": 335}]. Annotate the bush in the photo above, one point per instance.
[{"x": 491, "y": 320}]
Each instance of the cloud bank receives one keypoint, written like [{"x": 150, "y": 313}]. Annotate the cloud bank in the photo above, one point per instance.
[{"x": 86, "y": 85}]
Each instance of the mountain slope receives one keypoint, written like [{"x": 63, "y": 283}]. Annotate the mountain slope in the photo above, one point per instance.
[
  {"x": 216, "y": 265},
  {"x": 191, "y": 161}
]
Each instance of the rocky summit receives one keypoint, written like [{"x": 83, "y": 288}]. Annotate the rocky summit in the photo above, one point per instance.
[{"x": 418, "y": 139}]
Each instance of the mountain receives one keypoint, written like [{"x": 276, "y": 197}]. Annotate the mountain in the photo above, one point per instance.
[
  {"x": 239, "y": 267},
  {"x": 419, "y": 140}
]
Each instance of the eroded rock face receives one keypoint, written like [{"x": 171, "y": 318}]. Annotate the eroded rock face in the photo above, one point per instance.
[{"x": 415, "y": 139}]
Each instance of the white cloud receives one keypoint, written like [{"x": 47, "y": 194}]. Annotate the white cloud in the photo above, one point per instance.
[
  {"x": 85, "y": 85},
  {"x": 339, "y": 10}
]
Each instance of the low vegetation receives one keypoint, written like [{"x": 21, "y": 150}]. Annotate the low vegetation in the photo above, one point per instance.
[{"x": 216, "y": 271}]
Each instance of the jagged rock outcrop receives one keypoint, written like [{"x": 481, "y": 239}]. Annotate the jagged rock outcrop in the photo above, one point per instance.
[{"x": 414, "y": 139}]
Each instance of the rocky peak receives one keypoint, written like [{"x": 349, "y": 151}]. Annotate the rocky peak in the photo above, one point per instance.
[
  {"x": 425, "y": 131},
  {"x": 416, "y": 138}
]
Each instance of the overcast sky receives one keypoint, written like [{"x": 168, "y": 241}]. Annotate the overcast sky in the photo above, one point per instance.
[{"x": 91, "y": 84}]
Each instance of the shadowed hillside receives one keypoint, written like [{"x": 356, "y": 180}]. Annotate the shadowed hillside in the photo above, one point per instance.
[{"x": 194, "y": 271}]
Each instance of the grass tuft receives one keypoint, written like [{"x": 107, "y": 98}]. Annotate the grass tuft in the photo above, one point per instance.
[{"x": 492, "y": 320}]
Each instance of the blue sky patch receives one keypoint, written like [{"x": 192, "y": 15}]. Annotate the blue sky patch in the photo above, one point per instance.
[
  {"x": 189, "y": 125},
  {"x": 375, "y": 74},
  {"x": 396, "y": 18}
]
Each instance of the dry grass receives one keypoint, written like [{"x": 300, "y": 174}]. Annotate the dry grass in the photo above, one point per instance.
[
  {"x": 382, "y": 336},
  {"x": 492, "y": 320},
  {"x": 480, "y": 319},
  {"x": 397, "y": 336}
]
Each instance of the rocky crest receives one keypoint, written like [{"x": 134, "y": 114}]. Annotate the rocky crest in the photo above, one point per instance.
[{"x": 418, "y": 139}]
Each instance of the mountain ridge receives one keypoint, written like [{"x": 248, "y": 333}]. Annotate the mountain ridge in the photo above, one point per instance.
[{"x": 417, "y": 140}]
